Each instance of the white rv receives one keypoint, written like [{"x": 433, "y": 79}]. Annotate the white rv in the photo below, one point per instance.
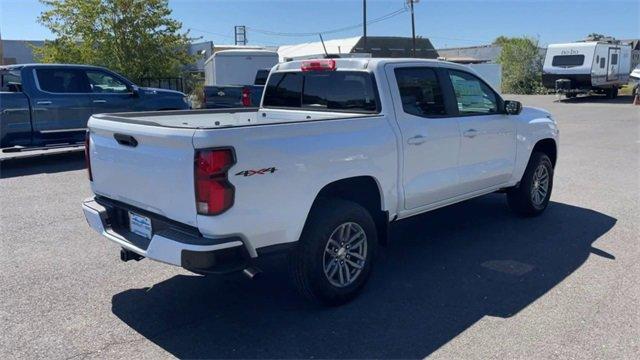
[
  {"x": 237, "y": 67},
  {"x": 580, "y": 67}
]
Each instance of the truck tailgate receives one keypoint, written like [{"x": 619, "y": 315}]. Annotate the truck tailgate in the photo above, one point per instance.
[{"x": 150, "y": 167}]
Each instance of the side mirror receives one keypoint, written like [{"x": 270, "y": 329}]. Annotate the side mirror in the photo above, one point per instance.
[
  {"x": 135, "y": 91},
  {"x": 512, "y": 107}
]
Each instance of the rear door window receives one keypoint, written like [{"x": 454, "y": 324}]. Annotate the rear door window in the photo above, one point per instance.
[
  {"x": 10, "y": 80},
  {"x": 63, "y": 81},
  {"x": 567, "y": 60},
  {"x": 420, "y": 92}
]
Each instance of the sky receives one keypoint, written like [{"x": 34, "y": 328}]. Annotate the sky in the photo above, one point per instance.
[{"x": 447, "y": 23}]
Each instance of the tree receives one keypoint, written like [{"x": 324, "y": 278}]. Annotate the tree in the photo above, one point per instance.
[
  {"x": 595, "y": 36},
  {"x": 521, "y": 65},
  {"x": 136, "y": 38}
]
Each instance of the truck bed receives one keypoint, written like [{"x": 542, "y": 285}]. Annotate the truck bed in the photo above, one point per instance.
[
  {"x": 154, "y": 170},
  {"x": 222, "y": 118},
  {"x": 187, "y": 119}
]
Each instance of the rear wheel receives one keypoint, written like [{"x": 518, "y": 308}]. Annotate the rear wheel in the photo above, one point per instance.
[
  {"x": 532, "y": 196},
  {"x": 334, "y": 256}
]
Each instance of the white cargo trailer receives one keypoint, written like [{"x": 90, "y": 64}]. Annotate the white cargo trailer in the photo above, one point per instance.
[
  {"x": 581, "y": 67},
  {"x": 237, "y": 67}
]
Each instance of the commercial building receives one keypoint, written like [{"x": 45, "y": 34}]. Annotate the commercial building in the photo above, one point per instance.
[
  {"x": 18, "y": 51},
  {"x": 376, "y": 46}
]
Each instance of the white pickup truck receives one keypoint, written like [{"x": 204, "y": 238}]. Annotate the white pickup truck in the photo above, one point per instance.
[{"x": 338, "y": 150}]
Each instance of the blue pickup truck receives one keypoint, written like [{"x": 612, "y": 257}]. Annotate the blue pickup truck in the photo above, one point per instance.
[
  {"x": 46, "y": 105},
  {"x": 232, "y": 96}
]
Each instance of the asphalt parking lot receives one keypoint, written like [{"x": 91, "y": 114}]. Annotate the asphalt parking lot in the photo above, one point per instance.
[{"x": 468, "y": 281}]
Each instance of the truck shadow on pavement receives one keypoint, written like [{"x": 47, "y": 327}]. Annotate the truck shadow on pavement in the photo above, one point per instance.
[
  {"x": 443, "y": 272},
  {"x": 45, "y": 163}
]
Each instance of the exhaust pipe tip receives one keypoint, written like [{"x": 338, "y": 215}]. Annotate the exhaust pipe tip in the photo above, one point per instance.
[
  {"x": 128, "y": 255},
  {"x": 251, "y": 272}
]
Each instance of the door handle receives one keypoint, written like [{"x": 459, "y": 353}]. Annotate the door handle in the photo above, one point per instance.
[
  {"x": 44, "y": 102},
  {"x": 99, "y": 101},
  {"x": 471, "y": 133},
  {"x": 417, "y": 140}
]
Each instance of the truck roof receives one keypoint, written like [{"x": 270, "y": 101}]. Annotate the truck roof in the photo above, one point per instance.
[
  {"x": 37, "y": 65},
  {"x": 370, "y": 63},
  {"x": 584, "y": 44},
  {"x": 241, "y": 52}
]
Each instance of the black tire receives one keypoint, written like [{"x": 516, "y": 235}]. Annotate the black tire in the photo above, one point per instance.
[
  {"x": 307, "y": 261},
  {"x": 521, "y": 198}
]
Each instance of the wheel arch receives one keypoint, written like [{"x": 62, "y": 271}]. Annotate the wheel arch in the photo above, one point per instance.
[
  {"x": 363, "y": 190},
  {"x": 547, "y": 146}
]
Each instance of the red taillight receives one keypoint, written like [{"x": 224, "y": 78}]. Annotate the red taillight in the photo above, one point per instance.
[
  {"x": 318, "y": 65},
  {"x": 87, "y": 158},
  {"x": 214, "y": 193},
  {"x": 246, "y": 96}
]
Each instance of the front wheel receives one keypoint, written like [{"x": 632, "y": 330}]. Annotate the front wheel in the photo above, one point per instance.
[
  {"x": 532, "y": 196},
  {"x": 334, "y": 256}
]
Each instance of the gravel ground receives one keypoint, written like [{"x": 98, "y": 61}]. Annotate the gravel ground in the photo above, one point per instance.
[{"x": 467, "y": 281}]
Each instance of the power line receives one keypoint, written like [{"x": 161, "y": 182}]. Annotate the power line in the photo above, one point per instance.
[
  {"x": 346, "y": 28},
  {"x": 211, "y": 33},
  {"x": 226, "y": 35}
]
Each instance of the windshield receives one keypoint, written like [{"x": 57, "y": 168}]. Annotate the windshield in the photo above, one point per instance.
[{"x": 261, "y": 77}]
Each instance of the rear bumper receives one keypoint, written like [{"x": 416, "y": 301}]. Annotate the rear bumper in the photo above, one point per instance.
[
  {"x": 169, "y": 243},
  {"x": 576, "y": 81}
]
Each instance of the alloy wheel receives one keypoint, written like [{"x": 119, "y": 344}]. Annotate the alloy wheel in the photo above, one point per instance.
[{"x": 345, "y": 254}]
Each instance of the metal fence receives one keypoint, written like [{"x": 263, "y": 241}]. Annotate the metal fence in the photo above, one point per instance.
[{"x": 163, "y": 83}]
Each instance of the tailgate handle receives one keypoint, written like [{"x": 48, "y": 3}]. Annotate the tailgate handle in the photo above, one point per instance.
[{"x": 126, "y": 140}]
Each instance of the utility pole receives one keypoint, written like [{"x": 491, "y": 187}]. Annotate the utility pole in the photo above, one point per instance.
[
  {"x": 413, "y": 26},
  {"x": 364, "y": 23}
]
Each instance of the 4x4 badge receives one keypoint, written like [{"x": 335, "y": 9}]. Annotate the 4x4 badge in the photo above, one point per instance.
[{"x": 257, "y": 172}]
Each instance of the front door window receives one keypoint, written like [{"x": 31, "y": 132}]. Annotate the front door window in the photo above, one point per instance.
[{"x": 473, "y": 96}]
